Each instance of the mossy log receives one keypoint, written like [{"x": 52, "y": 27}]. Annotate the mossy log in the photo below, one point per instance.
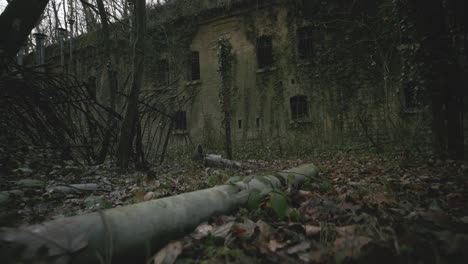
[
  {"x": 218, "y": 162},
  {"x": 131, "y": 234}
]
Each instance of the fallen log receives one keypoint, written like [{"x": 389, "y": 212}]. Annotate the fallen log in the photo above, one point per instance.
[
  {"x": 130, "y": 234},
  {"x": 74, "y": 188},
  {"x": 218, "y": 161}
]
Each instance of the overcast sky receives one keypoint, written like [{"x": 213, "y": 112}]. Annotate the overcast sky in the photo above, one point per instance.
[{"x": 3, "y": 3}]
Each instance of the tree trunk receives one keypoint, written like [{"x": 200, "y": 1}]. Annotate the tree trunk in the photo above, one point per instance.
[
  {"x": 435, "y": 32},
  {"x": 127, "y": 131},
  {"x": 125, "y": 234},
  {"x": 455, "y": 137},
  {"x": 166, "y": 141},
  {"x": 16, "y": 23},
  {"x": 227, "y": 123},
  {"x": 225, "y": 71},
  {"x": 111, "y": 81}
]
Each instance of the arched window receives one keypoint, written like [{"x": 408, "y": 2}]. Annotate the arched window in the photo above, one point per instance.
[{"x": 299, "y": 107}]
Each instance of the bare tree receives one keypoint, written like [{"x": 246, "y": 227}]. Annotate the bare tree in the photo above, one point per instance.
[
  {"x": 127, "y": 131},
  {"x": 16, "y": 23}
]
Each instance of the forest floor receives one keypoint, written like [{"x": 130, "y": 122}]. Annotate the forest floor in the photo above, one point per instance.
[{"x": 362, "y": 208}]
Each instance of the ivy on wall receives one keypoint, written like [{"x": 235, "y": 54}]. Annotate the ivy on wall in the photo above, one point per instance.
[{"x": 225, "y": 58}]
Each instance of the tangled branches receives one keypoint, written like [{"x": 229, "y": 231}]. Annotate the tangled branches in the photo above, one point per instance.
[{"x": 50, "y": 110}]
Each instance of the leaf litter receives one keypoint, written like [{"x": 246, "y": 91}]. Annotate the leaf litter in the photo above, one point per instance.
[
  {"x": 364, "y": 209},
  {"x": 361, "y": 209}
]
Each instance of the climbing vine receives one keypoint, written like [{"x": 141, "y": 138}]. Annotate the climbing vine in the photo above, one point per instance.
[{"x": 225, "y": 58}]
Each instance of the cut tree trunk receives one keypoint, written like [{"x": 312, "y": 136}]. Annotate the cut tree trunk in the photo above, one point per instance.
[{"x": 131, "y": 233}]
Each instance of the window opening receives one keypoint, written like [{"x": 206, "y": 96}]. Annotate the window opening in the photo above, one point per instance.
[
  {"x": 412, "y": 95},
  {"x": 299, "y": 107},
  {"x": 264, "y": 52},
  {"x": 239, "y": 124},
  {"x": 163, "y": 72},
  {"x": 305, "y": 43},
  {"x": 195, "y": 66},
  {"x": 180, "y": 120}
]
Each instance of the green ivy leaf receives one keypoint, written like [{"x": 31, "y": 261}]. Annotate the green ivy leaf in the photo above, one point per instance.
[
  {"x": 247, "y": 179},
  {"x": 255, "y": 198},
  {"x": 265, "y": 192},
  {"x": 291, "y": 178},
  {"x": 279, "y": 204},
  {"x": 233, "y": 180},
  {"x": 263, "y": 180}
]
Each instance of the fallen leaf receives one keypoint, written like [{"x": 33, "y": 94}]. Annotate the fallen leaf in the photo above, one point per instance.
[
  {"x": 139, "y": 195},
  {"x": 301, "y": 247},
  {"x": 265, "y": 230},
  {"x": 316, "y": 256},
  {"x": 350, "y": 246},
  {"x": 312, "y": 230},
  {"x": 347, "y": 230},
  {"x": 169, "y": 254},
  {"x": 222, "y": 231},
  {"x": 149, "y": 196},
  {"x": 274, "y": 245},
  {"x": 380, "y": 198},
  {"x": 202, "y": 231},
  {"x": 244, "y": 230}
]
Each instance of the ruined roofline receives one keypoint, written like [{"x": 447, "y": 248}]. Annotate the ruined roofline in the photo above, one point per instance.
[
  {"x": 171, "y": 12},
  {"x": 180, "y": 10}
]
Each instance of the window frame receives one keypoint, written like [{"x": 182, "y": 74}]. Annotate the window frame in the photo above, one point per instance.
[{"x": 299, "y": 107}]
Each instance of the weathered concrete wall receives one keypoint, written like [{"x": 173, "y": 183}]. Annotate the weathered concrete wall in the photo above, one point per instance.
[
  {"x": 353, "y": 92},
  {"x": 337, "y": 115}
]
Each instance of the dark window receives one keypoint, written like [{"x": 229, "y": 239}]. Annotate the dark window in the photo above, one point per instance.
[
  {"x": 195, "y": 66},
  {"x": 239, "y": 124},
  {"x": 305, "y": 47},
  {"x": 163, "y": 72},
  {"x": 264, "y": 52},
  {"x": 180, "y": 120},
  {"x": 258, "y": 122},
  {"x": 412, "y": 95},
  {"x": 299, "y": 107},
  {"x": 91, "y": 86}
]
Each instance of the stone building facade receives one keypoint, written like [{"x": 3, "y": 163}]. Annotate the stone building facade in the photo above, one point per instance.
[
  {"x": 288, "y": 89},
  {"x": 305, "y": 75}
]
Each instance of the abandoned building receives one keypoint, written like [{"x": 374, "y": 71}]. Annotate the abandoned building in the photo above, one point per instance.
[{"x": 298, "y": 80}]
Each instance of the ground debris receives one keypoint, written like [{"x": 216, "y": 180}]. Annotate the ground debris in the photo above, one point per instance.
[
  {"x": 364, "y": 209},
  {"x": 360, "y": 209}
]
